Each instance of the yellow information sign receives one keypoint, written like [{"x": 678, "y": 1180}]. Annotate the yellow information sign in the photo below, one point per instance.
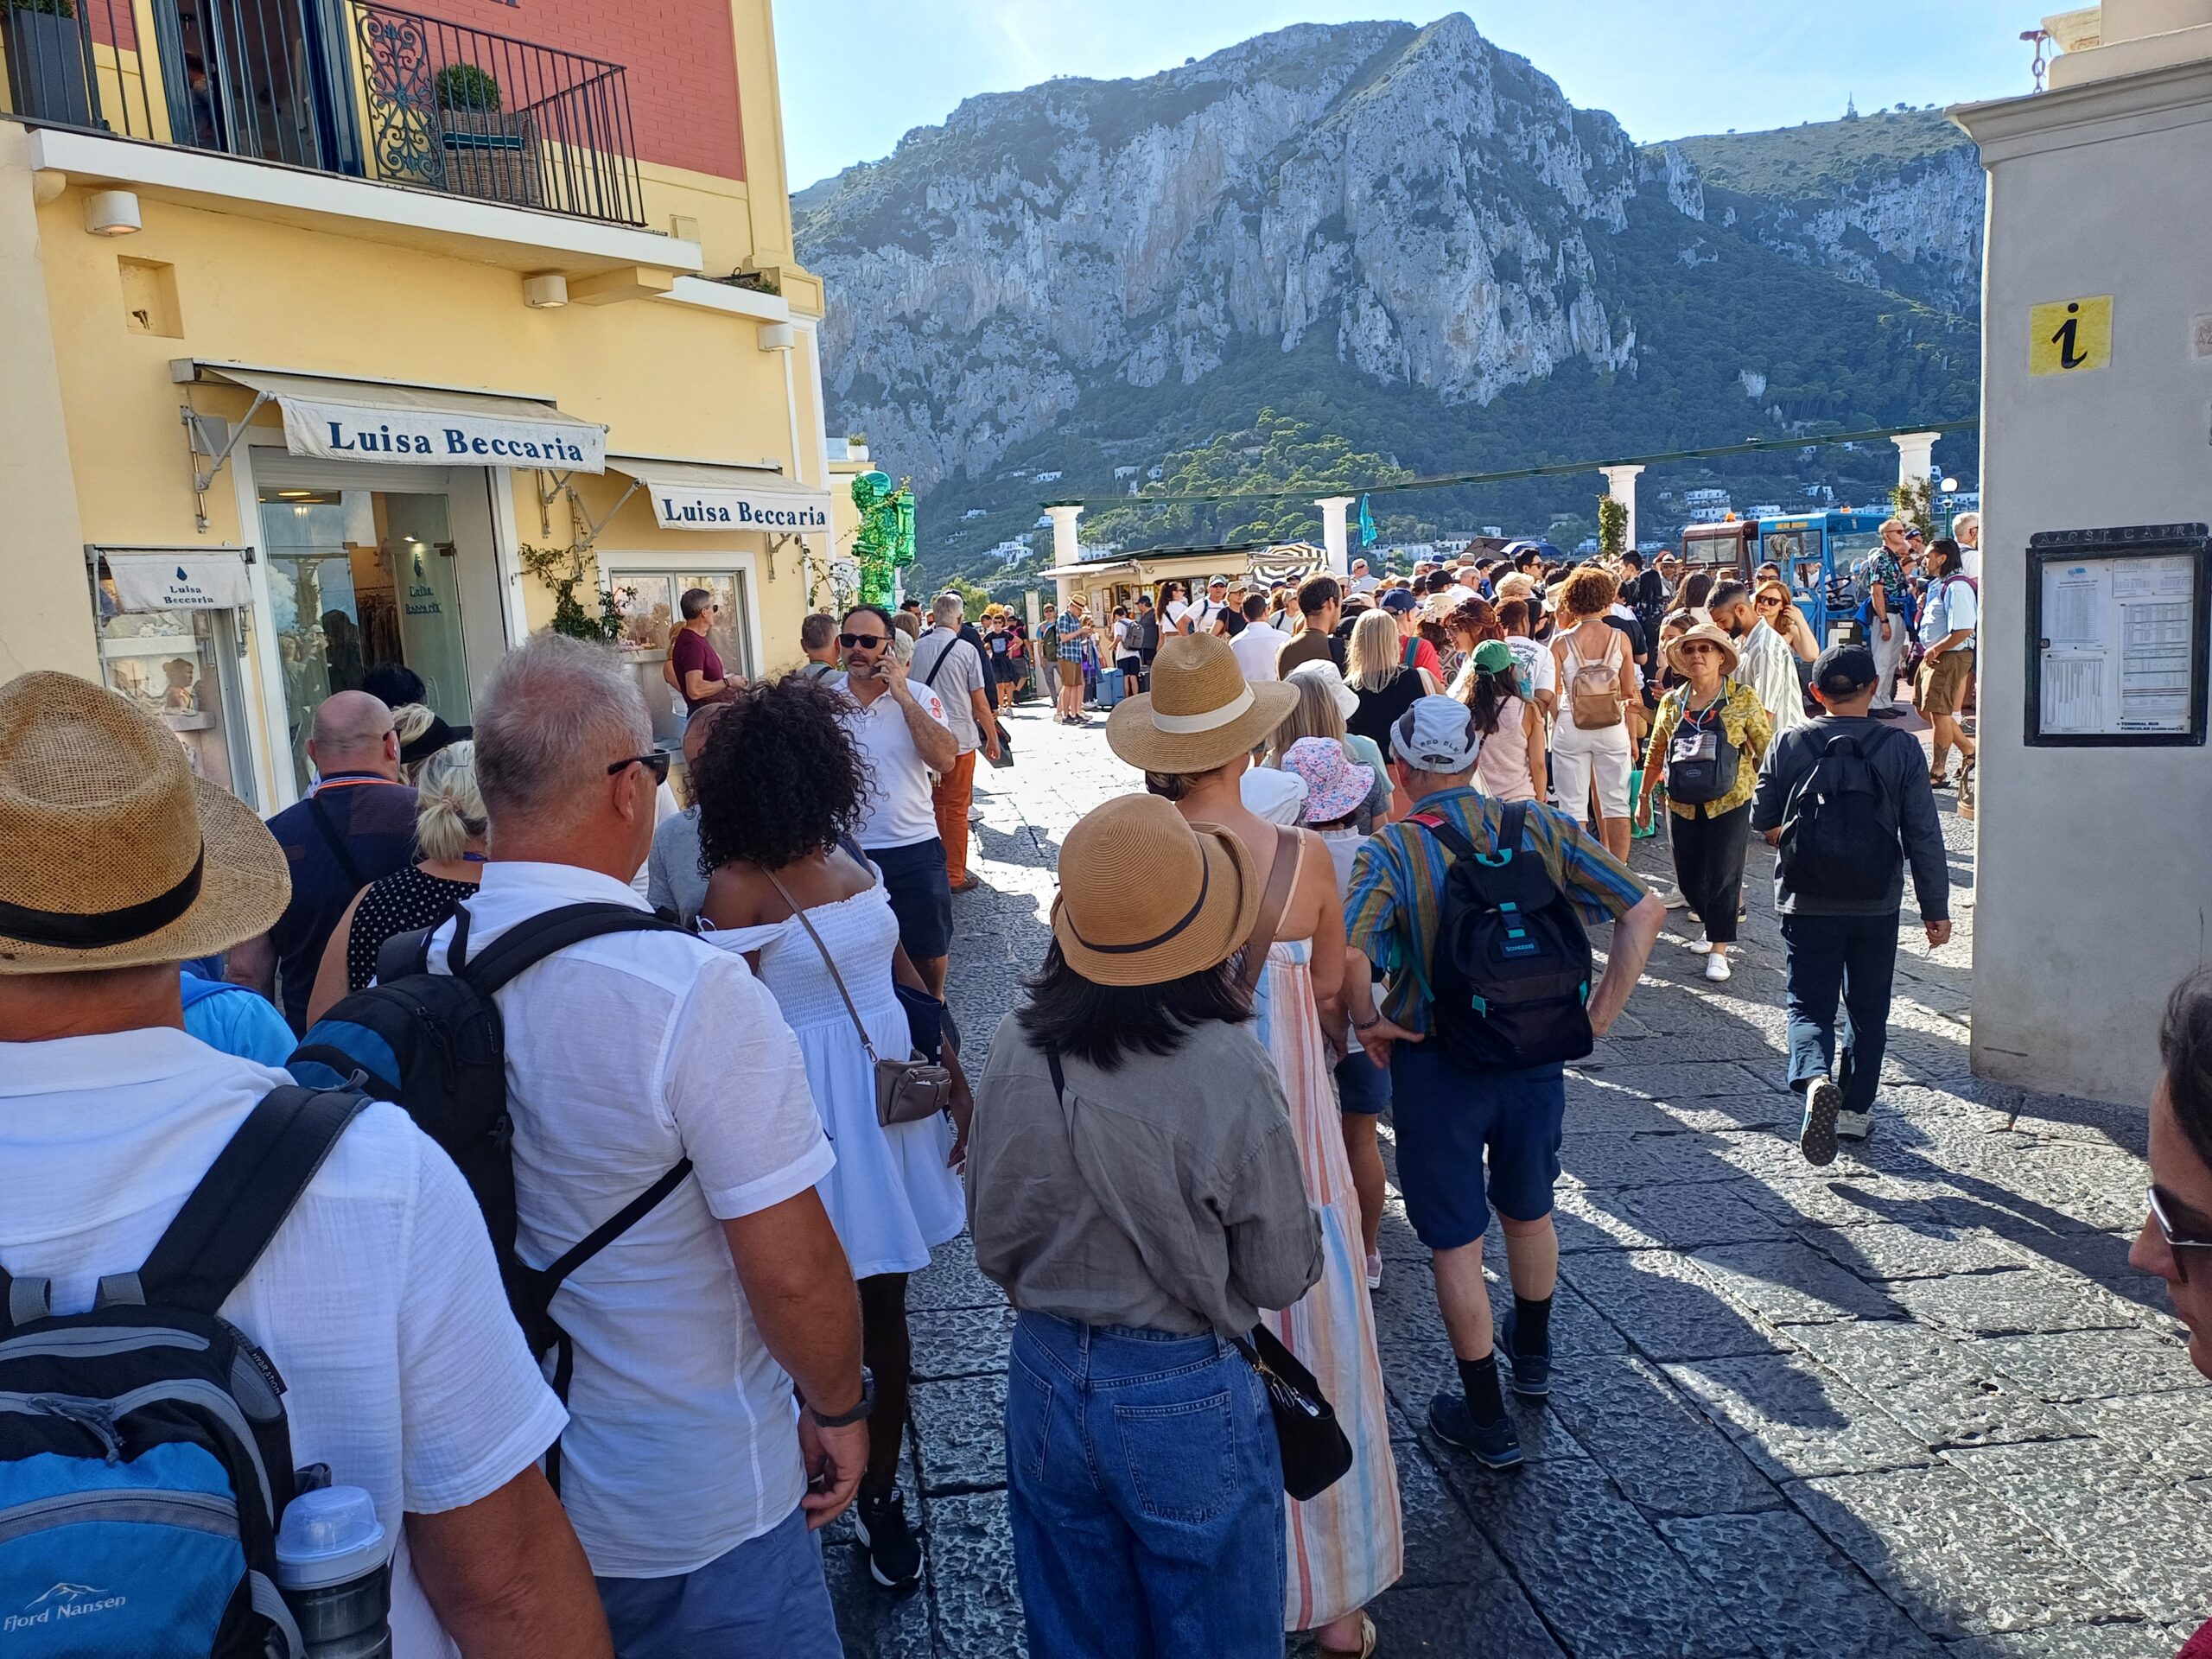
[{"x": 2069, "y": 336}]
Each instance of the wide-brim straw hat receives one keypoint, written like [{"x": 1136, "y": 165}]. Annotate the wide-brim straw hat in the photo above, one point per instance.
[
  {"x": 1199, "y": 714},
  {"x": 1145, "y": 897},
  {"x": 117, "y": 856},
  {"x": 1712, "y": 635}
]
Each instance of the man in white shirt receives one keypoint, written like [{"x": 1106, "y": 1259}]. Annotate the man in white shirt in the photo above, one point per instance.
[
  {"x": 1201, "y": 617},
  {"x": 685, "y": 1466},
  {"x": 1764, "y": 661},
  {"x": 905, "y": 734},
  {"x": 1257, "y": 648},
  {"x": 1362, "y": 580},
  {"x": 377, "y": 1297},
  {"x": 948, "y": 665}
]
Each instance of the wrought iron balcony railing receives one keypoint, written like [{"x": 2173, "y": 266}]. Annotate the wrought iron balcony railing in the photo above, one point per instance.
[{"x": 346, "y": 86}]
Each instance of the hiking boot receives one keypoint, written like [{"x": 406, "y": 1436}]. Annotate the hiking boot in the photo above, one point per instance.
[
  {"x": 1532, "y": 1373},
  {"x": 1816, "y": 1137},
  {"x": 1494, "y": 1445},
  {"x": 1854, "y": 1125},
  {"x": 894, "y": 1555}
]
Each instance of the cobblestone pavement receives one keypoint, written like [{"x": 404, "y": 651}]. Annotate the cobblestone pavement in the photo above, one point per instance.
[{"x": 1916, "y": 1405}]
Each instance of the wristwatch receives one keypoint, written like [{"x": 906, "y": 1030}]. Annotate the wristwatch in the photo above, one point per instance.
[{"x": 846, "y": 1419}]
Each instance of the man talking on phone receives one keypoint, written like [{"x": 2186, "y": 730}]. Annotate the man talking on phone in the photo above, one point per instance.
[{"x": 904, "y": 734}]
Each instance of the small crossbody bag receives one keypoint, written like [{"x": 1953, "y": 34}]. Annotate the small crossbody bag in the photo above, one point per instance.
[{"x": 906, "y": 1090}]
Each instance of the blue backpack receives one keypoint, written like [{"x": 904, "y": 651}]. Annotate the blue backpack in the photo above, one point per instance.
[{"x": 145, "y": 1460}]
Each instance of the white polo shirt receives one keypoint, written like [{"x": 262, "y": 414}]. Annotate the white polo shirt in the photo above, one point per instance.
[
  {"x": 1256, "y": 649},
  {"x": 378, "y": 1300},
  {"x": 900, "y": 812},
  {"x": 625, "y": 1055}
]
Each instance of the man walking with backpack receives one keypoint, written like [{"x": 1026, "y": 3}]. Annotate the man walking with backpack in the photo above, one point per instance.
[
  {"x": 230, "y": 1228},
  {"x": 1478, "y": 1058},
  {"x": 650, "y": 1077},
  {"x": 1846, "y": 800}
]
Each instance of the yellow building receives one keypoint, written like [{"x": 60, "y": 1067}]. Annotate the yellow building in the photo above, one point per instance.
[{"x": 310, "y": 351}]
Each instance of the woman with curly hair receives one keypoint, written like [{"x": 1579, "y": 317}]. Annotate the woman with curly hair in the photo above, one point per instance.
[
  {"x": 1592, "y": 751},
  {"x": 790, "y": 889}
]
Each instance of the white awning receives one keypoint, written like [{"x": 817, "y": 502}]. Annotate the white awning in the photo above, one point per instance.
[
  {"x": 417, "y": 425},
  {"x": 706, "y": 495},
  {"x": 178, "y": 579}
]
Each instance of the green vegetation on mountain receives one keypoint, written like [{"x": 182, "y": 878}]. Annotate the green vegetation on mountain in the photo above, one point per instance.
[{"x": 1793, "y": 164}]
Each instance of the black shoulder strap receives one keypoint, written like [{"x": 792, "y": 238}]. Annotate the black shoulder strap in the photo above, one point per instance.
[
  {"x": 319, "y": 809},
  {"x": 229, "y": 1219},
  {"x": 527, "y": 944},
  {"x": 937, "y": 667},
  {"x": 1515, "y": 829},
  {"x": 1454, "y": 843},
  {"x": 547, "y": 1279},
  {"x": 409, "y": 953}
]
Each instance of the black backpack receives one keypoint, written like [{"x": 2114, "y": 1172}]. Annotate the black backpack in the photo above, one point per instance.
[
  {"x": 1510, "y": 977},
  {"x": 434, "y": 1044},
  {"x": 1840, "y": 826},
  {"x": 145, "y": 1458}
]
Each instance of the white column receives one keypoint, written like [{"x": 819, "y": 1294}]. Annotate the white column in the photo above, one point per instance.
[
  {"x": 1334, "y": 536},
  {"x": 1916, "y": 456},
  {"x": 1066, "y": 550},
  {"x": 1620, "y": 484}
]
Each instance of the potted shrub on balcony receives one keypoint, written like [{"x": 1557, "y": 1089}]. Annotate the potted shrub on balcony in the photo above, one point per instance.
[
  {"x": 489, "y": 153},
  {"x": 43, "y": 47}
]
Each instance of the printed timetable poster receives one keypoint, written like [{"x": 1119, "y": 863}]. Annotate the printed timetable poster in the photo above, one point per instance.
[{"x": 2118, "y": 658}]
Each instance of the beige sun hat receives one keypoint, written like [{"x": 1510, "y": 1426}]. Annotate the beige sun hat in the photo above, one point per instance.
[
  {"x": 1145, "y": 897},
  {"x": 1712, "y": 635},
  {"x": 116, "y": 856},
  {"x": 1199, "y": 714}
]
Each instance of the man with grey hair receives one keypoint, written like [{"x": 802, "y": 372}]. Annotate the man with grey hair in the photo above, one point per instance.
[
  {"x": 1966, "y": 530},
  {"x": 946, "y": 664},
  {"x": 648, "y": 1060},
  {"x": 355, "y": 825},
  {"x": 694, "y": 666}
]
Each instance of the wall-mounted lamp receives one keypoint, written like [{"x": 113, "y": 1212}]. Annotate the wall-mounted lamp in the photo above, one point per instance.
[
  {"x": 777, "y": 337},
  {"x": 111, "y": 213},
  {"x": 547, "y": 291}
]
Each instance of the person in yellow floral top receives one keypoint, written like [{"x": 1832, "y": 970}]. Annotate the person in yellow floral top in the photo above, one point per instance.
[{"x": 1707, "y": 743}]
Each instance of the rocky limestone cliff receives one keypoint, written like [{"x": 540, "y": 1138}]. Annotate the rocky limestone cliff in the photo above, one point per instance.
[{"x": 1415, "y": 207}]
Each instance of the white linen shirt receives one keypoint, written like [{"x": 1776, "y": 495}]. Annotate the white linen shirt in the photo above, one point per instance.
[
  {"x": 1255, "y": 650},
  {"x": 900, "y": 811},
  {"x": 1766, "y": 663},
  {"x": 378, "y": 1300},
  {"x": 625, "y": 1054}
]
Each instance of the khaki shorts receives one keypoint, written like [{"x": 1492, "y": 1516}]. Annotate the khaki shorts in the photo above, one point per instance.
[
  {"x": 1943, "y": 682},
  {"x": 1070, "y": 676}
]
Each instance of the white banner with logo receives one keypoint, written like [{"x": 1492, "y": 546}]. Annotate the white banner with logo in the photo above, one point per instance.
[
  {"x": 182, "y": 580},
  {"x": 699, "y": 495},
  {"x": 449, "y": 437}
]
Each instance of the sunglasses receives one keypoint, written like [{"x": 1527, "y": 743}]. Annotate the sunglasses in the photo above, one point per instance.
[
  {"x": 2159, "y": 1205},
  {"x": 1769, "y": 602},
  {"x": 655, "y": 762},
  {"x": 1698, "y": 648},
  {"x": 860, "y": 641}
]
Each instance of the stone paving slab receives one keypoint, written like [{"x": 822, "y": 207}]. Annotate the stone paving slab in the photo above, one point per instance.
[{"x": 1914, "y": 1404}]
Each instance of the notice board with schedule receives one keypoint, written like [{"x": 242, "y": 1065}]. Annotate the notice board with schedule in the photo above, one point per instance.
[{"x": 2118, "y": 624}]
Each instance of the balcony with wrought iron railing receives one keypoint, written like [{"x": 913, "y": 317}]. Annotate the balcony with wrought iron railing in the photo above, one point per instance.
[{"x": 345, "y": 87}]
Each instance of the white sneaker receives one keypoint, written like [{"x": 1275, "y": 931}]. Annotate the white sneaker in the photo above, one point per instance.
[
  {"x": 1675, "y": 899},
  {"x": 1374, "y": 1273},
  {"x": 1702, "y": 947},
  {"x": 1716, "y": 967},
  {"x": 1853, "y": 1126}
]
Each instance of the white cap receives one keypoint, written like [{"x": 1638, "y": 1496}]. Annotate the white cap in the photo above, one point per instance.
[{"x": 332, "y": 1536}]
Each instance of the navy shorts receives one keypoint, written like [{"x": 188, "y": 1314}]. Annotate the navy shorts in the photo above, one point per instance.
[
  {"x": 1363, "y": 1087},
  {"x": 1450, "y": 1123},
  {"x": 920, "y": 894}
]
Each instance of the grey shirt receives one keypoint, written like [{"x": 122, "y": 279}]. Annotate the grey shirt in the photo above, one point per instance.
[
  {"x": 953, "y": 682},
  {"x": 1193, "y": 1215},
  {"x": 672, "y": 874}
]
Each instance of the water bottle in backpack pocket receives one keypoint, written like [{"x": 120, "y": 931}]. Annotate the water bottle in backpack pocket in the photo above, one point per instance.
[
  {"x": 145, "y": 1456},
  {"x": 1840, "y": 825},
  {"x": 1509, "y": 979}
]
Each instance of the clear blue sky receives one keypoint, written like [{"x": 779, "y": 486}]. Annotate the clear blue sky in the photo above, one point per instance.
[{"x": 858, "y": 74}]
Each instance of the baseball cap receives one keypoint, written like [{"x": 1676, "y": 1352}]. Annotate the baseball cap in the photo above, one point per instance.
[
  {"x": 1845, "y": 671},
  {"x": 1401, "y": 600},
  {"x": 1493, "y": 655},
  {"x": 1436, "y": 735}
]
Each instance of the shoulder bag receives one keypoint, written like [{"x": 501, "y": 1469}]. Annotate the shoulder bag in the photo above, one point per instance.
[
  {"x": 1702, "y": 761},
  {"x": 1315, "y": 1453},
  {"x": 906, "y": 1090},
  {"x": 1281, "y": 875}
]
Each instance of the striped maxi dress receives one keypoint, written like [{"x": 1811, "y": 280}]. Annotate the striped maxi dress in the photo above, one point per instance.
[{"x": 1344, "y": 1548}]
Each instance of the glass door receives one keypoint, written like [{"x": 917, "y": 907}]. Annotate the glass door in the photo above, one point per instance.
[
  {"x": 266, "y": 78},
  {"x": 650, "y": 602}
]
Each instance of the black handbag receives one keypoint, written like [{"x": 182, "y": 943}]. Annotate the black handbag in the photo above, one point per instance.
[
  {"x": 1701, "y": 763},
  {"x": 1004, "y": 758},
  {"x": 1315, "y": 1453}
]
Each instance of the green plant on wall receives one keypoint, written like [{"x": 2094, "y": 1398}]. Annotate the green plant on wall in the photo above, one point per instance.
[
  {"x": 563, "y": 570},
  {"x": 1612, "y": 527},
  {"x": 464, "y": 87},
  {"x": 1915, "y": 502}
]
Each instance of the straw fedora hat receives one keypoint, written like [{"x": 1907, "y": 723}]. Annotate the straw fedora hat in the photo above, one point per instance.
[
  {"x": 1712, "y": 635},
  {"x": 1199, "y": 713},
  {"x": 1145, "y": 897},
  {"x": 117, "y": 856}
]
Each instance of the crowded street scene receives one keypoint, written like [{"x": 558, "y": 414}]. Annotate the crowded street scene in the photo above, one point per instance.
[{"x": 832, "y": 912}]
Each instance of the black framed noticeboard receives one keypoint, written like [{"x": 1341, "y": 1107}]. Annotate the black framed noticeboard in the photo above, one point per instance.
[{"x": 2118, "y": 626}]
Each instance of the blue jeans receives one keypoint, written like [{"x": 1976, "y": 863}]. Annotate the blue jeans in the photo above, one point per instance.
[
  {"x": 1145, "y": 1495},
  {"x": 1857, "y": 956},
  {"x": 766, "y": 1596}
]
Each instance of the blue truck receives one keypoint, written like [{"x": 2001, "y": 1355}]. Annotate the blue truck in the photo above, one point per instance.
[{"x": 1814, "y": 552}]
